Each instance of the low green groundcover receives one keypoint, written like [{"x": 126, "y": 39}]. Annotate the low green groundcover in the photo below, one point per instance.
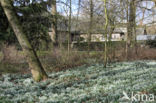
[{"x": 92, "y": 84}]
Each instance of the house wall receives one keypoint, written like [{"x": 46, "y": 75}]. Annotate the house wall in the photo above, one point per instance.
[
  {"x": 145, "y": 37},
  {"x": 116, "y": 36},
  {"x": 100, "y": 37},
  {"x": 63, "y": 36}
]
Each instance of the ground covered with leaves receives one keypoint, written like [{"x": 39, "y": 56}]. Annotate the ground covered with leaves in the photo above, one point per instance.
[{"x": 83, "y": 84}]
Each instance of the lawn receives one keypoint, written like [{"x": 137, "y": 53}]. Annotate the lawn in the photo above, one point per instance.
[{"x": 82, "y": 84}]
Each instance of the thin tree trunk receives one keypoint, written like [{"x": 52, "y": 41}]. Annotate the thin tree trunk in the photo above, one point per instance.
[
  {"x": 69, "y": 26},
  {"x": 77, "y": 19},
  {"x": 110, "y": 41},
  {"x": 154, "y": 2},
  {"x": 37, "y": 69},
  {"x": 53, "y": 34},
  {"x": 134, "y": 30},
  {"x": 131, "y": 26},
  {"x": 106, "y": 24},
  {"x": 111, "y": 20},
  {"x": 127, "y": 12},
  {"x": 143, "y": 15},
  {"x": 90, "y": 26}
]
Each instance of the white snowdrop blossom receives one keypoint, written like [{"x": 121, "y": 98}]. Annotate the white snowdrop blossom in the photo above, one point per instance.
[{"x": 82, "y": 84}]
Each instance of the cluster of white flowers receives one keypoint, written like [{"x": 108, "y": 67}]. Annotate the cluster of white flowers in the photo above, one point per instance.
[{"x": 83, "y": 84}]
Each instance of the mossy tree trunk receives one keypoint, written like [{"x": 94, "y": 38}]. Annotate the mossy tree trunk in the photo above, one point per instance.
[
  {"x": 105, "y": 28},
  {"x": 35, "y": 65},
  {"x": 131, "y": 39}
]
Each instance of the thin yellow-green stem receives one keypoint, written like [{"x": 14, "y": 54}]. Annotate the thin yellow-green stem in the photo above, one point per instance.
[{"x": 105, "y": 28}]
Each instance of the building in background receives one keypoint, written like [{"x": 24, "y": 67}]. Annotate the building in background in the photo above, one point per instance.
[
  {"x": 119, "y": 34},
  {"x": 145, "y": 37}
]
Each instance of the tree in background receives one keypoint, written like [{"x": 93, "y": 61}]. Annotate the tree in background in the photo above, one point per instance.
[
  {"x": 35, "y": 65},
  {"x": 77, "y": 18},
  {"x": 53, "y": 34},
  {"x": 90, "y": 24},
  {"x": 112, "y": 13},
  {"x": 105, "y": 28},
  {"x": 131, "y": 28},
  {"x": 69, "y": 25}
]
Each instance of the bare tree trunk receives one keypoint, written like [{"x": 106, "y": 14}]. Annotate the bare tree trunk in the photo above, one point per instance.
[
  {"x": 131, "y": 27},
  {"x": 134, "y": 26},
  {"x": 53, "y": 34},
  {"x": 77, "y": 19},
  {"x": 69, "y": 26},
  {"x": 154, "y": 2},
  {"x": 127, "y": 12},
  {"x": 110, "y": 50},
  {"x": 35, "y": 65},
  {"x": 106, "y": 25},
  {"x": 91, "y": 25},
  {"x": 141, "y": 22},
  {"x": 111, "y": 23}
]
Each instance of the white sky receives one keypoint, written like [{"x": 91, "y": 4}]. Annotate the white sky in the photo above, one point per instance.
[
  {"x": 149, "y": 17},
  {"x": 64, "y": 10}
]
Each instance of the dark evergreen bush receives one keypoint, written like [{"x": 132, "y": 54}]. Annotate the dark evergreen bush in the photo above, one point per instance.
[{"x": 151, "y": 43}]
